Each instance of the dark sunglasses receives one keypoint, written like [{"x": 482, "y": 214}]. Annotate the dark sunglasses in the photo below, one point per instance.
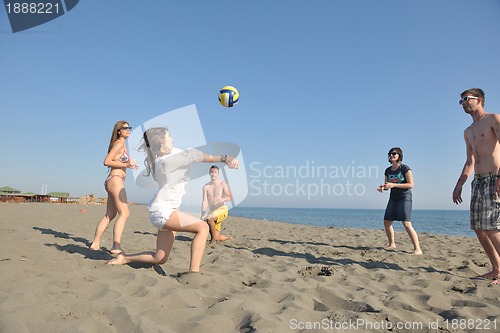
[
  {"x": 125, "y": 128},
  {"x": 393, "y": 153},
  {"x": 465, "y": 99}
]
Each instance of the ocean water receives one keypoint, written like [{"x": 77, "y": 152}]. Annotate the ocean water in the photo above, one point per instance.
[{"x": 448, "y": 222}]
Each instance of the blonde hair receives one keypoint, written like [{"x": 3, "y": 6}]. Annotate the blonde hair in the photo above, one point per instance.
[
  {"x": 153, "y": 143},
  {"x": 115, "y": 135}
]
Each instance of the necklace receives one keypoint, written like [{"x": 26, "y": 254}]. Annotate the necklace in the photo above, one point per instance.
[
  {"x": 475, "y": 121},
  {"x": 484, "y": 115}
]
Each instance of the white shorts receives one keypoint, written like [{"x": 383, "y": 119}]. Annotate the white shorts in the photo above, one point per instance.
[{"x": 160, "y": 217}]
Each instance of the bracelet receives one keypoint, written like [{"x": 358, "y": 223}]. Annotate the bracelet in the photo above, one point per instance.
[{"x": 223, "y": 158}]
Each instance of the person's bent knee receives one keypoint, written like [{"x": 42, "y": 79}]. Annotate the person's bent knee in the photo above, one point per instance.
[
  {"x": 162, "y": 261},
  {"x": 160, "y": 258},
  {"x": 204, "y": 228}
]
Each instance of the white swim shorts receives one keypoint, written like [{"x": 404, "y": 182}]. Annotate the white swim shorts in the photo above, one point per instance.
[{"x": 159, "y": 217}]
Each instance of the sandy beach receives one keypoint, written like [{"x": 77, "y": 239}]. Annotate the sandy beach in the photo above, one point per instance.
[{"x": 272, "y": 277}]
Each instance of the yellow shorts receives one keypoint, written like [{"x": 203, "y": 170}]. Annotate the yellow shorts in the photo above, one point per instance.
[{"x": 221, "y": 214}]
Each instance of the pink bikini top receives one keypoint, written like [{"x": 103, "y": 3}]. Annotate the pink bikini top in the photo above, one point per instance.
[{"x": 124, "y": 158}]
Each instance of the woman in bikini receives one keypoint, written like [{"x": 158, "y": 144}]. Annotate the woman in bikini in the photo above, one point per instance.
[{"x": 117, "y": 161}]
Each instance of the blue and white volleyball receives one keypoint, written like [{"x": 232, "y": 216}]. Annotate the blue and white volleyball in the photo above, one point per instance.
[{"x": 229, "y": 96}]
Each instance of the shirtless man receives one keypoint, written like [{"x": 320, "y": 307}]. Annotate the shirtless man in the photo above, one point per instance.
[
  {"x": 213, "y": 207},
  {"x": 483, "y": 157}
]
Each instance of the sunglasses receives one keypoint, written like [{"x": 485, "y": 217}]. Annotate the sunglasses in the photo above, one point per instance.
[
  {"x": 465, "y": 99},
  {"x": 126, "y": 128},
  {"x": 393, "y": 153}
]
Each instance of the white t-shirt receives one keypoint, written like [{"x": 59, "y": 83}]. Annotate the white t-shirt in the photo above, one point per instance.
[{"x": 172, "y": 175}]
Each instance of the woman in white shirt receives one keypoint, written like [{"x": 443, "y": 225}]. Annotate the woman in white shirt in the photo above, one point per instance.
[{"x": 169, "y": 167}]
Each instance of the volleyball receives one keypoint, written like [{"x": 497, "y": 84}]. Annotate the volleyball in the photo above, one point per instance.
[{"x": 228, "y": 96}]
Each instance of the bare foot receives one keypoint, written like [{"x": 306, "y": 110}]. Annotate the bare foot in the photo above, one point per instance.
[
  {"x": 391, "y": 247},
  {"x": 490, "y": 275},
  {"x": 220, "y": 239},
  {"x": 94, "y": 247},
  {"x": 119, "y": 260},
  {"x": 496, "y": 280},
  {"x": 417, "y": 252},
  {"x": 223, "y": 237},
  {"x": 186, "y": 273},
  {"x": 116, "y": 249}
]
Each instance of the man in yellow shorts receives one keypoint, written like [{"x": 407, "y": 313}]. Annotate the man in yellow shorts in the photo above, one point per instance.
[{"x": 213, "y": 207}]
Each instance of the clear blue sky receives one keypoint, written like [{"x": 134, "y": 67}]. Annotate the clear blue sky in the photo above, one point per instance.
[{"x": 323, "y": 83}]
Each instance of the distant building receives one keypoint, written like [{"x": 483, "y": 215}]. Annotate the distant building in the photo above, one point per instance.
[
  {"x": 9, "y": 194},
  {"x": 9, "y": 190}
]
